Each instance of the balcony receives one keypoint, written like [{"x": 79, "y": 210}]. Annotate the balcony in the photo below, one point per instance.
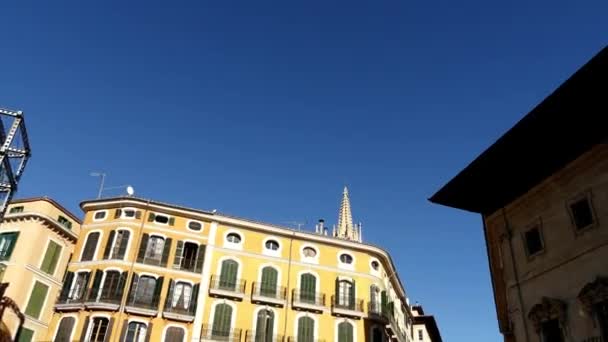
[
  {"x": 143, "y": 306},
  {"x": 69, "y": 304},
  {"x": 310, "y": 301},
  {"x": 253, "y": 336},
  {"x": 179, "y": 313},
  {"x": 347, "y": 307},
  {"x": 229, "y": 289},
  {"x": 376, "y": 313},
  {"x": 231, "y": 335},
  {"x": 272, "y": 295},
  {"x": 98, "y": 300},
  {"x": 394, "y": 331}
]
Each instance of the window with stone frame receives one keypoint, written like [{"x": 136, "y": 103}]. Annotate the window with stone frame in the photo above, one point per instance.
[
  {"x": 533, "y": 240},
  {"x": 581, "y": 212}
]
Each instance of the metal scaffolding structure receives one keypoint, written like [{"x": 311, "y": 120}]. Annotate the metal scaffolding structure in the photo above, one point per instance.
[{"x": 14, "y": 154}]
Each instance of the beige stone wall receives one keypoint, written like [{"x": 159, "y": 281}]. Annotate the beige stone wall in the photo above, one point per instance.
[{"x": 570, "y": 259}]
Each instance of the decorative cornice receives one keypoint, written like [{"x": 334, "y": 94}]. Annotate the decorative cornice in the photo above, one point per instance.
[
  {"x": 548, "y": 308},
  {"x": 69, "y": 234},
  {"x": 593, "y": 293}
]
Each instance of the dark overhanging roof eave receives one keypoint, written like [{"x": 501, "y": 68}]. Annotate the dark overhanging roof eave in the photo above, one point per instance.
[{"x": 542, "y": 142}]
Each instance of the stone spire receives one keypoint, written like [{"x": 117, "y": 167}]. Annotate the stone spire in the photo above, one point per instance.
[{"x": 345, "y": 229}]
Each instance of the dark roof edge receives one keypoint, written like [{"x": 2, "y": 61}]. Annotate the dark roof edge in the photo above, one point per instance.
[{"x": 431, "y": 326}]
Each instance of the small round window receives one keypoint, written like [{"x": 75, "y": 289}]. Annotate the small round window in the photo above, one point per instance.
[
  {"x": 272, "y": 245},
  {"x": 194, "y": 225},
  {"x": 233, "y": 238},
  {"x": 100, "y": 215},
  {"x": 346, "y": 258},
  {"x": 375, "y": 265},
  {"x": 309, "y": 252}
]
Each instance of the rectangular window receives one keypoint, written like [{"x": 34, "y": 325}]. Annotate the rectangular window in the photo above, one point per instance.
[
  {"x": 420, "y": 335},
  {"x": 51, "y": 257},
  {"x": 27, "y": 335},
  {"x": 582, "y": 213},
  {"x": 99, "y": 329},
  {"x": 16, "y": 210},
  {"x": 37, "y": 298},
  {"x": 64, "y": 222},
  {"x": 154, "y": 250},
  {"x": 534, "y": 241},
  {"x": 7, "y": 244}
]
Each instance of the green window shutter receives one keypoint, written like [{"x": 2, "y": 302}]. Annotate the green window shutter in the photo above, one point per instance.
[
  {"x": 108, "y": 249},
  {"x": 11, "y": 242},
  {"x": 51, "y": 257},
  {"x": 179, "y": 251},
  {"x": 117, "y": 213},
  {"x": 351, "y": 295},
  {"x": 37, "y": 297},
  {"x": 306, "y": 329},
  {"x": 345, "y": 332},
  {"x": 172, "y": 221},
  {"x": 26, "y": 335},
  {"x": 200, "y": 259},
  {"x": 194, "y": 297},
  {"x": 228, "y": 274},
  {"x": 151, "y": 217},
  {"x": 143, "y": 245},
  {"x": 138, "y": 215},
  {"x": 383, "y": 303},
  {"x": 221, "y": 320},
  {"x": 269, "y": 281},
  {"x": 95, "y": 287},
  {"x": 308, "y": 287},
  {"x": 166, "y": 250},
  {"x": 133, "y": 289},
  {"x": 67, "y": 284},
  {"x": 169, "y": 299},
  {"x": 157, "y": 290}
]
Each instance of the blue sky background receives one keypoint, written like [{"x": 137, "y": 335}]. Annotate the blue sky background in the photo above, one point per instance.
[{"x": 267, "y": 109}]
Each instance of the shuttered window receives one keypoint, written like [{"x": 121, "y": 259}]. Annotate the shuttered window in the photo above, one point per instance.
[
  {"x": 90, "y": 246},
  {"x": 264, "y": 326},
  {"x": 345, "y": 290},
  {"x": 345, "y": 332},
  {"x": 51, "y": 257},
  {"x": 136, "y": 332},
  {"x": 308, "y": 287},
  {"x": 269, "y": 281},
  {"x": 100, "y": 329},
  {"x": 36, "y": 301},
  {"x": 228, "y": 274},
  {"x": 27, "y": 335},
  {"x": 306, "y": 329},
  {"x": 64, "y": 331},
  {"x": 221, "y": 320},
  {"x": 7, "y": 244},
  {"x": 116, "y": 246},
  {"x": 174, "y": 334}
]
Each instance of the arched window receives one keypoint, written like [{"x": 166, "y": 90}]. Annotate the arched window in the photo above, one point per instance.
[
  {"x": 98, "y": 330},
  {"x": 233, "y": 238},
  {"x": 268, "y": 286},
  {"x": 174, "y": 334},
  {"x": 116, "y": 246},
  {"x": 113, "y": 285},
  {"x": 306, "y": 329},
  {"x": 264, "y": 326},
  {"x": 64, "y": 332},
  {"x": 88, "y": 252},
  {"x": 345, "y": 291},
  {"x": 228, "y": 274},
  {"x": 345, "y": 332},
  {"x": 136, "y": 332},
  {"x": 308, "y": 288},
  {"x": 222, "y": 319}
]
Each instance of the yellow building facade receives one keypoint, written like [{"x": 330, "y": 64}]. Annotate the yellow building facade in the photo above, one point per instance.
[
  {"x": 150, "y": 271},
  {"x": 37, "y": 237}
]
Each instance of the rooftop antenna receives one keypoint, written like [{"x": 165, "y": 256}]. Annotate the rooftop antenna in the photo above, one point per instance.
[
  {"x": 296, "y": 223},
  {"x": 129, "y": 189}
]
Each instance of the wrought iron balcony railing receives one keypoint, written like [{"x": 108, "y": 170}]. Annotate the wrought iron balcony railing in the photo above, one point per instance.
[
  {"x": 180, "y": 312},
  {"x": 255, "y": 336},
  {"x": 305, "y": 300},
  {"x": 210, "y": 334},
  {"x": 375, "y": 311},
  {"x": 143, "y": 305},
  {"x": 103, "y": 299},
  {"x": 269, "y": 294},
  {"x": 347, "y": 306},
  {"x": 303, "y": 339},
  {"x": 227, "y": 288},
  {"x": 74, "y": 301}
]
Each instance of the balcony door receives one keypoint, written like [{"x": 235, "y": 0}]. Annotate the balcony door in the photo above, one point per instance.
[
  {"x": 264, "y": 326},
  {"x": 345, "y": 290},
  {"x": 308, "y": 288},
  {"x": 306, "y": 329},
  {"x": 268, "y": 284},
  {"x": 228, "y": 275},
  {"x": 222, "y": 319}
]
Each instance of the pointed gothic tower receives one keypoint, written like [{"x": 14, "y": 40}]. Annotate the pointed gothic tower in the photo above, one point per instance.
[{"x": 346, "y": 229}]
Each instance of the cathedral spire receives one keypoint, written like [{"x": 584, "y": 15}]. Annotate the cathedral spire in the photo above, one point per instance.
[{"x": 345, "y": 229}]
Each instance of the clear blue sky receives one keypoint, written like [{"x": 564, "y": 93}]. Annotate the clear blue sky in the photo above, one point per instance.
[{"x": 267, "y": 109}]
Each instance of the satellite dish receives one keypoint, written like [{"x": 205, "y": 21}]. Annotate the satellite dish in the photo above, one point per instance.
[{"x": 130, "y": 190}]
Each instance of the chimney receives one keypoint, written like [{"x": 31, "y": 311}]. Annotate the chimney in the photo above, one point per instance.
[{"x": 325, "y": 231}]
